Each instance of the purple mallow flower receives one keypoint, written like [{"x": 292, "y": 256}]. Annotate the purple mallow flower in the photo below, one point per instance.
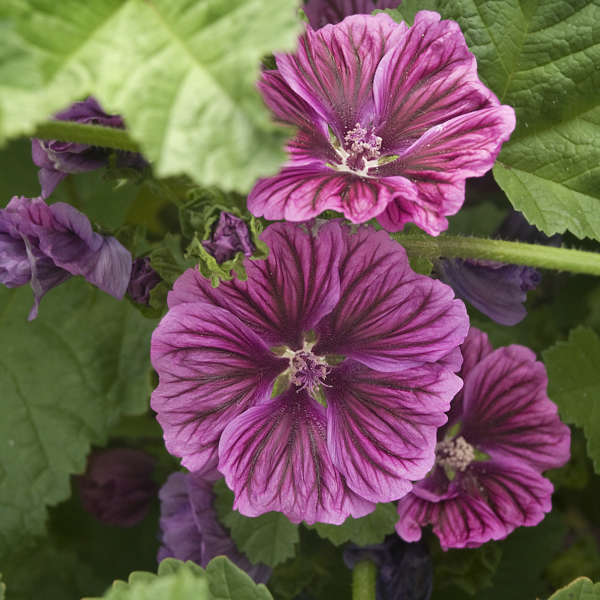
[
  {"x": 318, "y": 384},
  {"x": 45, "y": 245},
  {"x": 230, "y": 236},
  {"x": 57, "y": 159},
  {"x": 498, "y": 290},
  {"x": 391, "y": 121},
  {"x": 117, "y": 487},
  {"x": 143, "y": 280},
  {"x": 502, "y": 432},
  {"x": 324, "y": 12},
  {"x": 190, "y": 528}
]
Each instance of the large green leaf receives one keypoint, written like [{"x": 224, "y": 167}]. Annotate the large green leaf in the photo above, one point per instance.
[
  {"x": 580, "y": 589},
  {"x": 221, "y": 580},
  {"x": 66, "y": 378},
  {"x": 182, "y": 73},
  {"x": 574, "y": 384}
]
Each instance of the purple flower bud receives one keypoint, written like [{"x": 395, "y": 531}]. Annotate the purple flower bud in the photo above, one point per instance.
[
  {"x": 404, "y": 571},
  {"x": 324, "y": 12},
  {"x": 143, "y": 279},
  {"x": 231, "y": 235},
  {"x": 57, "y": 159},
  {"x": 190, "y": 528},
  {"x": 45, "y": 245},
  {"x": 498, "y": 290},
  {"x": 117, "y": 487}
]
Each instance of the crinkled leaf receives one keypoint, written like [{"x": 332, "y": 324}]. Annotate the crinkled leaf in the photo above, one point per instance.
[
  {"x": 580, "y": 589},
  {"x": 370, "y": 529},
  {"x": 66, "y": 378},
  {"x": 269, "y": 539},
  {"x": 181, "y": 72},
  {"x": 574, "y": 384}
]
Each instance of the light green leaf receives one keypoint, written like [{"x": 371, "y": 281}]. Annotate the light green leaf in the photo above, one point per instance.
[
  {"x": 270, "y": 539},
  {"x": 580, "y": 589},
  {"x": 228, "y": 582},
  {"x": 2, "y": 588},
  {"x": 371, "y": 529},
  {"x": 66, "y": 378},
  {"x": 574, "y": 384},
  {"x": 407, "y": 9},
  {"x": 181, "y": 72}
]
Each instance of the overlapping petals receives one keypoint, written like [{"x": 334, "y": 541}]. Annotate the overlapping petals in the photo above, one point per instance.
[
  {"x": 391, "y": 121},
  {"x": 285, "y": 445},
  {"x": 323, "y": 12},
  {"x": 503, "y": 412}
]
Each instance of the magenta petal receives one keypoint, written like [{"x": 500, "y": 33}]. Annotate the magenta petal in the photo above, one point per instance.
[
  {"x": 334, "y": 67},
  {"x": 275, "y": 457},
  {"x": 382, "y": 426},
  {"x": 388, "y": 317},
  {"x": 284, "y": 295},
  {"x": 211, "y": 368},
  {"x": 507, "y": 412}
]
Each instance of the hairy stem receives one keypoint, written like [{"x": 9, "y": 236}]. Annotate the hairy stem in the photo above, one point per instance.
[
  {"x": 94, "y": 135},
  {"x": 363, "y": 580},
  {"x": 519, "y": 253}
]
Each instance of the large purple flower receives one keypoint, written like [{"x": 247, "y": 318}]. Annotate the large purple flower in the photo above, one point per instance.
[
  {"x": 318, "y": 384},
  {"x": 502, "y": 432},
  {"x": 44, "y": 245},
  {"x": 324, "y": 12},
  {"x": 190, "y": 528},
  {"x": 391, "y": 121},
  {"x": 57, "y": 159}
]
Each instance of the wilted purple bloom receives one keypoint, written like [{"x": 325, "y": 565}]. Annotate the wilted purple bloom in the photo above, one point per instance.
[
  {"x": 391, "y": 121},
  {"x": 143, "y": 279},
  {"x": 324, "y": 12},
  {"x": 502, "y": 432},
  {"x": 498, "y": 290},
  {"x": 44, "y": 245},
  {"x": 190, "y": 528},
  {"x": 57, "y": 159},
  {"x": 231, "y": 236},
  {"x": 117, "y": 487},
  {"x": 404, "y": 571},
  {"x": 337, "y": 318}
]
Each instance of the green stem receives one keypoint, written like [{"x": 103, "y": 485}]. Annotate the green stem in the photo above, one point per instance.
[
  {"x": 94, "y": 135},
  {"x": 363, "y": 580},
  {"x": 534, "y": 255}
]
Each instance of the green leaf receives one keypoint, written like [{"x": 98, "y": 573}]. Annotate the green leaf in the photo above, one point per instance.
[
  {"x": 2, "y": 588},
  {"x": 370, "y": 529},
  {"x": 407, "y": 10},
  {"x": 580, "y": 589},
  {"x": 574, "y": 384},
  {"x": 270, "y": 539},
  {"x": 176, "y": 580},
  {"x": 181, "y": 72},
  {"x": 66, "y": 378}
]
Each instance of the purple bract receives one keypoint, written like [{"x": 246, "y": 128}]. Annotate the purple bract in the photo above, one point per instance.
[
  {"x": 117, "y": 487},
  {"x": 324, "y": 12},
  {"x": 391, "y": 121},
  {"x": 502, "y": 432},
  {"x": 44, "y": 245},
  {"x": 230, "y": 236},
  {"x": 190, "y": 528},
  {"x": 318, "y": 384}
]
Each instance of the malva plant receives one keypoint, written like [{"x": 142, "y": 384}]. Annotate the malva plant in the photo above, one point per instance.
[{"x": 297, "y": 341}]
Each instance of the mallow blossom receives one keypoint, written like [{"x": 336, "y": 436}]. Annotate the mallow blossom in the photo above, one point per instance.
[
  {"x": 230, "y": 236},
  {"x": 324, "y": 12},
  {"x": 142, "y": 281},
  {"x": 190, "y": 529},
  {"x": 44, "y": 245},
  {"x": 316, "y": 385},
  {"x": 502, "y": 432},
  {"x": 391, "y": 121},
  {"x": 57, "y": 159}
]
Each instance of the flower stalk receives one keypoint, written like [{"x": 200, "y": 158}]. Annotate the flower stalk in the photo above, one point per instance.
[
  {"x": 363, "y": 580},
  {"x": 519, "y": 253}
]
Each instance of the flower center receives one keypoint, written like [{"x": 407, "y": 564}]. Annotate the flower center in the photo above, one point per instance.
[
  {"x": 360, "y": 151},
  {"x": 454, "y": 454},
  {"x": 307, "y": 371}
]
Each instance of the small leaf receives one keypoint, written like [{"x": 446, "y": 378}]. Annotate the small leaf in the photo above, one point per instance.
[
  {"x": 228, "y": 582},
  {"x": 581, "y": 588},
  {"x": 367, "y": 530},
  {"x": 574, "y": 384}
]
